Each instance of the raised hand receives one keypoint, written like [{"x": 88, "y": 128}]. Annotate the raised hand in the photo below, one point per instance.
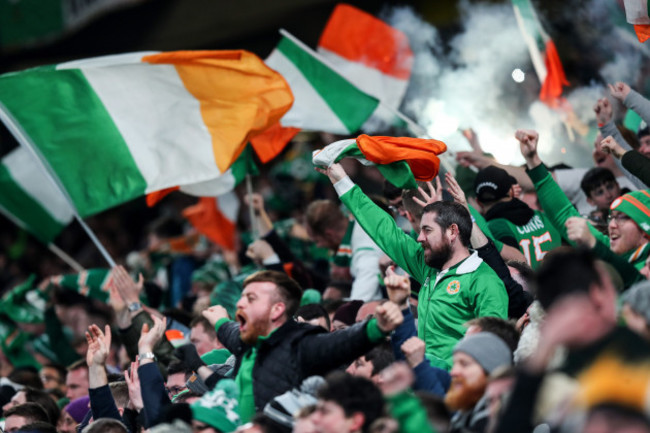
[
  {"x": 455, "y": 190},
  {"x": 99, "y": 345},
  {"x": 397, "y": 286},
  {"x": 215, "y": 313},
  {"x": 133, "y": 384},
  {"x": 396, "y": 378},
  {"x": 259, "y": 250},
  {"x": 150, "y": 336},
  {"x": 610, "y": 145},
  {"x": 413, "y": 349},
  {"x": 603, "y": 110},
  {"x": 128, "y": 289},
  {"x": 389, "y": 316},
  {"x": 335, "y": 172},
  {"x": 431, "y": 196},
  {"x": 577, "y": 230},
  {"x": 528, "y": 140},
  {"x": 619, "y": 90}
]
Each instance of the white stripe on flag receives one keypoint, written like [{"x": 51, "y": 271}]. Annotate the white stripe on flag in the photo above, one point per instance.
[
  {"x": 309, "y": 110},
  {"x": 156, "y": 152}
]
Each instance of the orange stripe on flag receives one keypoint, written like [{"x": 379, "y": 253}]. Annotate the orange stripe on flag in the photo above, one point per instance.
[
  {"x": 239, "y": 96},
  {"x": 642, "y": 32},
  {"x": 270, "y": 143},
  {"x": 360, "y": 37},
  {"x": 555, "y": 78},
  {"x": 419, "y": 153},
  {"x": 154, "y": 197},
  {"x": 206, "y": 217}
]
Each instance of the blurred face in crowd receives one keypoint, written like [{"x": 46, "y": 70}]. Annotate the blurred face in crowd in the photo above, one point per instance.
[
  {"x": 468, "y": 382},
  {"x": 52, "y": 379},
  {"x": 14, "y": 423},
  {"x": 645, "y": 271},
  {"x": 18, "y": 398},
  {"x": 624, "y": 234},
  {"x": 495, "y": 391},
  {"x": 360, "y": 367},
  {"x": 66, "y": 423},
  {"x": 77, "y": 383},
  {"x": 644, "y": 145},
  {"x": 259, "y": 306},
  {"x": 604, "y": 195},
  {"x": 201, "y": 427},
  {"x": 330, "y": 418},
  {"x": 176, "y": 383},
  {"x": 203, "y": 341},
  {"x": 437, "y": 248}
]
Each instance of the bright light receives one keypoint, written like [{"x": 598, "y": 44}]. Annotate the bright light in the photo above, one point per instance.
[
  {"x": 443, "y": 124},
  {"x": 518, "y": 75}
]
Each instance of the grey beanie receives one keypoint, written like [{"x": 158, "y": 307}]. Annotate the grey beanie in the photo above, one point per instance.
[
  {"x": 638, "y": 298},
  {"x": 487, "y": 349}
]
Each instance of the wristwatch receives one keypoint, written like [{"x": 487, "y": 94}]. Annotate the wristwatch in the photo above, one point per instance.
[
  {"x": 134, "y": 306},
  {"x": 147, "y": 355}
]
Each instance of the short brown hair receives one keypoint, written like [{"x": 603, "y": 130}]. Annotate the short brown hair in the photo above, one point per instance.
[
  {"x": 288, "y": 289},
  {"x": 323, "y": 214},
  {"x": 207, "y": 327},
  {"x": 32, "y": 412}
]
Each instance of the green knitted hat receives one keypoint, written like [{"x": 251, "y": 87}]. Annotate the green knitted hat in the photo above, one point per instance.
[
  {"x": 636, "y": 205},
  {"x": 219, "y": 408},
  {"x": 310, "y": 296}
]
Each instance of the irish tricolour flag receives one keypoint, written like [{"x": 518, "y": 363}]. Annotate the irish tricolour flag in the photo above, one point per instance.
[
  {"x": 324, "y": 100},
  {"x": 114, "y": 128},
  {"x": 374, "y": 56},
  {"x": 402, "y": 160},
  {"x": 30, "y": 199}
]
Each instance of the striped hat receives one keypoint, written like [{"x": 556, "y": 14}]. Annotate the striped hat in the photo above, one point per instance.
[{"x": 636, "y": 205}]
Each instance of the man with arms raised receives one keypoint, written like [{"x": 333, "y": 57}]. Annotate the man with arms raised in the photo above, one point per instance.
[
  {"x": 274, "y": 352},
  {"x": 457, "y": 285}
]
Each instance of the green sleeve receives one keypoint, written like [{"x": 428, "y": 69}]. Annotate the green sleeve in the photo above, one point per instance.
[
  {"x": 557, "y": 207},
  {"x": 626, "y": 270},
  {"x": 490, "y": 296},
  {"x": 373, "y": 332},
  {"x": 409, "y": 413},
  {"x": 399, "y": 246}
]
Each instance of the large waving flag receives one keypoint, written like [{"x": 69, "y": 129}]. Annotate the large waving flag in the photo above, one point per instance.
[
  {"x": 543, "y": 52},
  {"x": 374, "y": 56},
  {"x": 117, "y": 127},
  {"x": 30, "y": 199},
  {"x": 324, "y": 100},
  {"x": 636, "y": 12},
  {"x": 402, "y": 160}
]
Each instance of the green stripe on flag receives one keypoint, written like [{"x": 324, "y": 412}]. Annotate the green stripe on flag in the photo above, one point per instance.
[
  {"x": 72, "y": 130},
  {"x": 351, "y": 105},
  {"x": 243, "y": 165},
  {"x": 26, "y": 211},
  {"x": 398, "y": 173}
]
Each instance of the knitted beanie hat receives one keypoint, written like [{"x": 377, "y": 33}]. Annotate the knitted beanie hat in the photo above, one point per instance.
[
  {"x": 636, "y": 205},
  {"x": 487, "y": 349},
  {"x": 78, "y": 408},
  {"x": 219, "y": 408},
  {"x": 347, "y": 313}
]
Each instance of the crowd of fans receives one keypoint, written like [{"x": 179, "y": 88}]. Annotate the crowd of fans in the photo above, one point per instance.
[{"x": 517, "y": 302}]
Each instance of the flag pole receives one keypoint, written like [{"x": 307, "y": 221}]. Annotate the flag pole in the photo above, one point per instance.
[
  {"x": 251, "y": 211},
  {"x": 65, "y": 257},
  {"x": 415, "y": 128},
  {"x": 24, "y": 140}
]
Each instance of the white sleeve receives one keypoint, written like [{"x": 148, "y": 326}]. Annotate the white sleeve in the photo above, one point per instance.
[{"x": 364, "y": 266}]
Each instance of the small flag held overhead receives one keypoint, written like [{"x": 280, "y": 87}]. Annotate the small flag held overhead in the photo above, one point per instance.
[
  {"x": 636, "y": 12},
  {"x": 402, "y": 160}
]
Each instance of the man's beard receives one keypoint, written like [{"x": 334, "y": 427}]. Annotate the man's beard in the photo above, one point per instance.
[
  {"x": 436, "y": 258},
  {"x": 464, "y": 396},
  {"x": 254, "y": 330}
]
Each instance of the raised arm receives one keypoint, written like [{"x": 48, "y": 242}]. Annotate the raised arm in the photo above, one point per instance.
[{"x": 400, "y": 247}]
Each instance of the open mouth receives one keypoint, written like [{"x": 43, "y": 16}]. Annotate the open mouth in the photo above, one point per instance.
[{"x": 241, "y": 319}]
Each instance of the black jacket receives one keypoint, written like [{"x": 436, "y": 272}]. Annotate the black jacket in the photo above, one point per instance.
[{"x": 294, "y": 352}]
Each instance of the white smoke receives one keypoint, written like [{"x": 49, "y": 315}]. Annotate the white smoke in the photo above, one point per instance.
[{"x": 469, "y": 83}]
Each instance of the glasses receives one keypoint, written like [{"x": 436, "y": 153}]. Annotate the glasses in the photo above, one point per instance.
[
  {"x": 176, "y": 389},
  {"x": 620, "y": 218}
]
